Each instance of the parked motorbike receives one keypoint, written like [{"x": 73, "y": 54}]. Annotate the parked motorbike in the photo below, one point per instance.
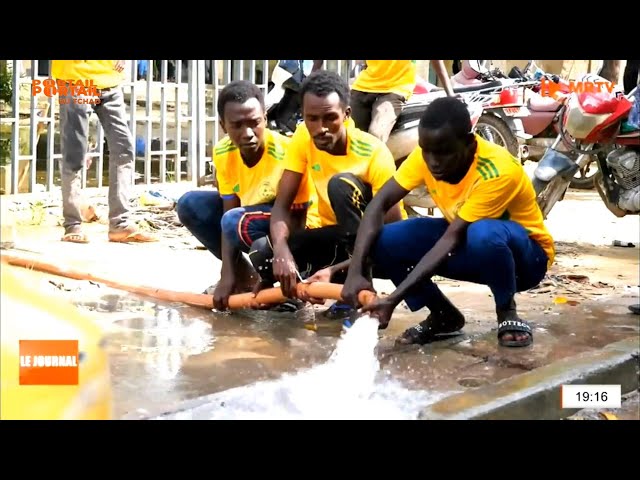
[
  {"x": 594, "y": 125},
  {"x": 282, "y": 101},
  {"x": 500, "y": 122},
  {"x": 540, "y": 116}
]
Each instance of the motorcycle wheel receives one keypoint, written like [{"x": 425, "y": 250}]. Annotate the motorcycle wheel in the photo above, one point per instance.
[
  {"x": 496, "y": 130},
  {"x": 585, "y": 182}
]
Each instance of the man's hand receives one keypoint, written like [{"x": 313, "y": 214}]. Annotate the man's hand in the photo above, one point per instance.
[
  {"x": 382, "y": 309},
  {"x": 257, "y": 288},
  {"x": 221, "y": 294},
  {"x": 285, "y": 270},
  {"x": 353, "y": 285},
  {"x": 119, "y": 65},
  {"x": 324, "y": 276}
]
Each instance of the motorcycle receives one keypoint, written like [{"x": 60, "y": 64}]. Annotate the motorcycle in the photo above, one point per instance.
[
  {"x": 594, "y": 125},
  {"x": 501, "y": 122},
  {"x": 540, "y": 116},
  {"x": 282, "y": 101},
  {"x": 520, "y": 118}
]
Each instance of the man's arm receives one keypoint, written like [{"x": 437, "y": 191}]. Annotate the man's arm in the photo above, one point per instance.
[
  {"x": 281, "y": 213},
  {"x": 229, "y": 256},
  {"x": 317, "y": 65},
  {"x": 284, "y": 266},
  {"x": 426, "y": 267},
  {"x": 229, "y": 252},
  {"x": 394, "y": 214},
  {"x": 443, "y": 76},
  {"x": 381, "y": 169},
  {"x": 388, "y": 196}
]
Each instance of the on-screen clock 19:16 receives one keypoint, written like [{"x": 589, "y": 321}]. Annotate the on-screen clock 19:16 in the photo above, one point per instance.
[{"x": 591, "y": 396}]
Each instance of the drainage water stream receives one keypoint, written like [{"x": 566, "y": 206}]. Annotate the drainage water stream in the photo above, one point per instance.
[{"x": 349, "y": 385}]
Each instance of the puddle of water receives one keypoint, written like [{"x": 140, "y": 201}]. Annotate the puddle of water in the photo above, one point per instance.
[{"x": 349, "y": 385}]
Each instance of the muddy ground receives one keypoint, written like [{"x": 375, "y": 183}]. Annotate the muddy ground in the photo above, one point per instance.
[{"x": 163, "y": 353}]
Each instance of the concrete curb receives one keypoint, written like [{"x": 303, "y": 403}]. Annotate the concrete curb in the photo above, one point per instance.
[{"x": 535, "y": 395}]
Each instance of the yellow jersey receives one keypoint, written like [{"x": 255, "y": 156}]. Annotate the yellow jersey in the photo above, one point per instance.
[
  {"x": 387, "y": 76},
  {"x": 259, "y": 184},
  {"x": 496, "y": 186},
  {"x": 367, "y": 158},
  {"x": 102, "y": 72}
]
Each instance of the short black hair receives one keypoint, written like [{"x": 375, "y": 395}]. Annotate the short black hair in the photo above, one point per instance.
[
  {"x": 447, "y": 111},
  {"x": 323, "y": 83},
  {"x": 238, "y": 91}
]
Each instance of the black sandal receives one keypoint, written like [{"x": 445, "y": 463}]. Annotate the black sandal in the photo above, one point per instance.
[
  {"x": 515, "y": 326},
  {"x": 434, "y": 328}
]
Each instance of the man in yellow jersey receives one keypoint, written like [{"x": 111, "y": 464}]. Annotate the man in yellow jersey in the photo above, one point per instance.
[
  {"x": 76, "y": 106},
  {"x": 347, "y": 167},
  {"x": 249, "y": 162},
  {"x": 492, "y": 234},
  {"x": 379, "y": 93}
]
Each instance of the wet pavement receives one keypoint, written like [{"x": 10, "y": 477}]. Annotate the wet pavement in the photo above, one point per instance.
[{"x": 164, "y": 354}]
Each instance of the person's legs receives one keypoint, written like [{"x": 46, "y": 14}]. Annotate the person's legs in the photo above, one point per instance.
[
  {"x": 243, "y": 225},
  {"x": 318, "y": 248},
  {"x": 496, "y": 253},
  {"x": 630, "y": 76},
  {"x": 200, "y": 212},
  {"x": 113, "y": 117},
  {"x": 384, "y": 113},
  {"x": 349, "y": 197},
  {"x": 74, "y": 131},
  {"x": 361, "y": 104}
]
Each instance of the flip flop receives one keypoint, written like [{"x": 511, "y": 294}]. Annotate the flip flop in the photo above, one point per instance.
[
  {"x": 131, "y": 236},
  {"x": 75, "y": 237},
  {"x": 512, "y": 327},
  {"x": 433, "y": 329}
]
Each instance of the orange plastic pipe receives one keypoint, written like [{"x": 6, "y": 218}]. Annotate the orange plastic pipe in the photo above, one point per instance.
[{"x": 268, "y": 296}]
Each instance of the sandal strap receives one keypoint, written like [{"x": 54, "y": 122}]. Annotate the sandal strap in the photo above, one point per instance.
[{"x": 514, "y": 326}]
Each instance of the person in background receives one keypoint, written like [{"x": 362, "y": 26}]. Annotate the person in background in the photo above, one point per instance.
[
  {"x": 631, "y": 76},
  {"x": 107, "y": 76},
  {"x": 381, "y": 90}
]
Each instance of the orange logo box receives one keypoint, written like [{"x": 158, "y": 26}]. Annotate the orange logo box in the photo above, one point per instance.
[{"x": 49, "y": 362}]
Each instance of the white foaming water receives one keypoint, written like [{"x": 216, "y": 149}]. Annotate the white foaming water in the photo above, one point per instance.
[{"x": 345, "y": 387}]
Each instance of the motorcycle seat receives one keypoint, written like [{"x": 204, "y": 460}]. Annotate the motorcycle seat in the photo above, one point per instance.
[
  {"x": 410, "y": 115},
  {"x": 539, "y": 103}
]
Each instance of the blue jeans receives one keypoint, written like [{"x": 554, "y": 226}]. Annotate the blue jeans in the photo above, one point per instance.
[
  {"x": 201, "y": 212},
  {"x": 496, "y": 253}
]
